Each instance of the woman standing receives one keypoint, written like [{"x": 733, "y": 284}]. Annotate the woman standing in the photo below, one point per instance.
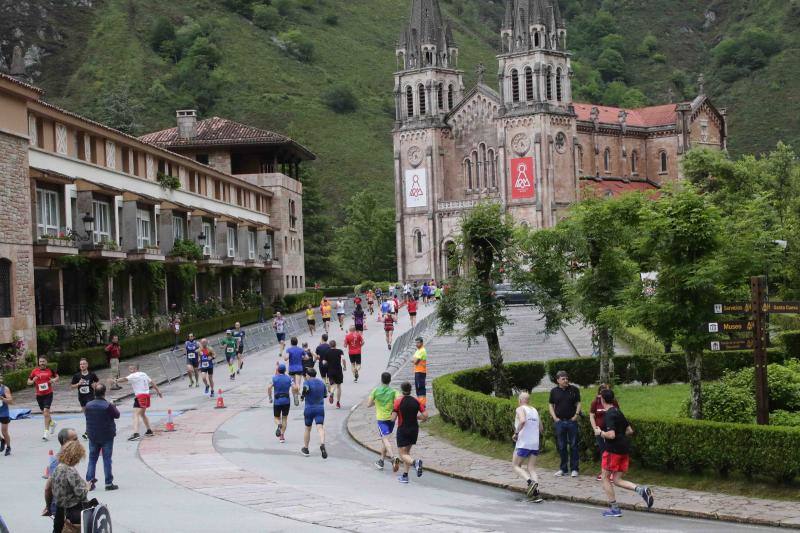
[{"x": 69, "y": 487}]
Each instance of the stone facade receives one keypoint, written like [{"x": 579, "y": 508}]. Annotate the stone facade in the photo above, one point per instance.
[{"x": 526, "y": 145}]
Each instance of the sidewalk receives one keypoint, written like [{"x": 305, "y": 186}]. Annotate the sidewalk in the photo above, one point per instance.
[{"x": 447, "y": 354}]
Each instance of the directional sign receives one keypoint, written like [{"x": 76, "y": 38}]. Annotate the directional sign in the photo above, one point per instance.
[
  {"x": 783, "y": 307},
  {"x": 744, "y": 344},
  {"x": 733, "y": 307},
  {"x": 731, "y": 326}
]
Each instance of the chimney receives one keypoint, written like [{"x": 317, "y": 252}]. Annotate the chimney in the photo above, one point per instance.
[{"x": 187, "y": 123}]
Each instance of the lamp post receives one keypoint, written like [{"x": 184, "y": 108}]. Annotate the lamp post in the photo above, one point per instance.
[
  {"x": 267, "y": 255},
  {"x": 88, "y": 228}
]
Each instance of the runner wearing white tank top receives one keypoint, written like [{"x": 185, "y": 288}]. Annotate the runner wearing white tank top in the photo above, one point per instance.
[{"x": 528, "y": 427}]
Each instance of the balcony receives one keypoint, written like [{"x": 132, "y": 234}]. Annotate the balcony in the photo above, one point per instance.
[
  {"x": 148, "y": 253},
  {"x": 234, "y": 262},
  {"x": 103, "y": 250},
  {"x": 210, "y": 260},
  {"x": 55, "y": 245}
]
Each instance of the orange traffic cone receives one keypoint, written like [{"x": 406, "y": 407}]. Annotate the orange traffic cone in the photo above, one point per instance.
[
  {"x": 220, "y": 401},
  {"x": 170, "y": 425},
  {"x": 47, "y": 472}
]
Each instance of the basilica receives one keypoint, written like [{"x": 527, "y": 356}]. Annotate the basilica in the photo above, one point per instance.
[{"x": 521, "y": 142}]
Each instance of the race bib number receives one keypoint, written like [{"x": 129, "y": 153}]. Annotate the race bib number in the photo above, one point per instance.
[
  {"x": 192, "y": 355},
  {"x": 228, "y": 350},
  {"x": 204, "y": 364},
  {"x": 83, "y": 390},
  {"x": 44, "y": 386}
]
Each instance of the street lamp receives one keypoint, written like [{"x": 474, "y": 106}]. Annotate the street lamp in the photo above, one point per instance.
[
  {"x": 201, "y": 237},
  {"x": 88, "y": 228},
  {"x": 267, "y": 256}
]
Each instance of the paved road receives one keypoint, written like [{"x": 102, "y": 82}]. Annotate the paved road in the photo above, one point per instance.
[{"x": 224, "y": 470}]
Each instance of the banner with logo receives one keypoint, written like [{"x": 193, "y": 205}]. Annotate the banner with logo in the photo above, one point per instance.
[
  {"x": 523, "y": 178},
  {"x": 416, "y": 187}
]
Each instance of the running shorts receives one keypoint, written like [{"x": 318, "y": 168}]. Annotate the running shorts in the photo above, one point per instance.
[
  {"x": 385, "y": 428},
  {"x": 209, "y": 371},
  {"x": 5, "y": 420},
  {"x": 336, "y": 378},
  {"x": 45, "y": 401},
  {"x": 193, "y": 362},
  {"x": 281, "y": 336},
  {"x": 614, "y": 462},
  {"x": 419, "y": 383},
  {"x": 311, "y": 322},
  {"x": 340, "y": 314},
  {"x": 323, "y": 370},
  {"x": 412, "y": 314},
  {"x": 326, "y": 319},
  {"x": 141, "y": 401},
  {"x": 524, "y": 452},
  {"x": 280, "y": 410},
  {"x": 314, "y": 415},
  {"x": 355, "y": 358},
  {"x": 240, "y": 350},
  {"x": 297, "y": 372},
  {"x": 83, "y": 400},
  {"x": 230, "y": 357},
  {"x": 406, "y": 437}
]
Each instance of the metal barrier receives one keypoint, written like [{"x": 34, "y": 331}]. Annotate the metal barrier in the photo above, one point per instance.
[{"x": 403, "y": 345}]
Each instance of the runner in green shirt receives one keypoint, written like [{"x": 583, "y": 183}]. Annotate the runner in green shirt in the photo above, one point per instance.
[
  {"x": 382, "y": 398},
  {"x": 229, "y": 343},
  {"x": 437, "y": 293}
]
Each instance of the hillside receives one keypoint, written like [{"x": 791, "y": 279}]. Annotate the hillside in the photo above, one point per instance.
[{"x": 275, "y": 64}]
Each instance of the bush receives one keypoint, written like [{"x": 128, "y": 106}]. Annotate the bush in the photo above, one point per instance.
[
  {"x": 332, "y": 20},
  {"x": 17, "y": 380},
  {"x": 340, "y": 99},
  {"x": 790, "y": 340},
  {"x": 297, "y": 45},
  {"x": 46, "y": 339},
  {"x": 295, "y": 302},
  {"x": 784, "y": 418},
  {"x": 266, "y": 17},
  {"x": 723, "y": 403},
  {"x": 365, "y": 286}
]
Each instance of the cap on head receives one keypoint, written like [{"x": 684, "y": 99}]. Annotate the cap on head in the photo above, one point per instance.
[
  {"x": 228, "y": 332},
  {"x": 281, "y": 368}
]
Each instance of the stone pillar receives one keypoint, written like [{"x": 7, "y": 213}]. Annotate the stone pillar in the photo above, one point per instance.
[
  {"x": 83, "y": 205},
  {"x": 128, "y": 229},
  {"x": 221, "y": 238},
  {"x": 166, "y": 232},
  {"x": 242, "y": 248}
]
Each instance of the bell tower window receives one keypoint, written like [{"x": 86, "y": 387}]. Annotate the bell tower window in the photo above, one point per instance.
[
  {"x": 529, "y": 84},
  {"x": 423, "y": 110},
  {"x": 549, "y": 83},
  {"x": 409, "y": 102},
  {"x": 440, "y": 97},
  {"x": 559, "y": 89},
  {"x": 450, "y": 97},
  {"x": 537, "y": 39},
  {"x": 514, "y": 86}
]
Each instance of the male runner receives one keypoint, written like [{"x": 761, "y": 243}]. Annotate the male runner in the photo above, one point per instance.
[
  {"x": 615, "y": 456},
  {"x": 425, "y": 293},
  {"x": 384, "y": 309},
  {"x": 528, "y": 427},
  {"x": 354, "y": 341},
  {"x": 43, "y": 378},
  {"x": 388, "y": 328},
  {"x": 207, "y": 357},
  {"x": 383, "y": 398},
  {"x": 281, "y": 383},
  {"x": 228, "y": 344},
  {"x": 140, "y": 383},
  {"x": 420, "y": 360},
  {"x": 437, "y": 293},
  {"x": 407, "y": 412},
  {"x": 335, "y": 363},
  {"x": 411, "y": 305},
  {"x": 192, "y": 361},
  {"x": 85, "y": 382},
  {"x": 6, "y": 399},
  {"x": 279, "y": 325},
  {"x": 320, "y": 352},
  {"x": 325, "y": 311},
  {"x": 239, "y": 334},
  {"x": 314, "y": 411},
  {"x": 308, "y": 358},
  {"x": 371, "y": 301},
  {"x": 311, "y": 320},
  {"x": 294, "y": 356},
  {"x": 340, "y": 313}
]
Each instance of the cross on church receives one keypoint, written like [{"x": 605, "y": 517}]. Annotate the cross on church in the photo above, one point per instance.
[{"x": 480, "y": 70}]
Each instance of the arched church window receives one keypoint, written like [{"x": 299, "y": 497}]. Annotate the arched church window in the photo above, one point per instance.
[
  {"x": 492, "y": 169},
  {"x": 580, "y": 159},
  {"x": 450, "y": 97},
  {"x": 537, "y": 39},
  {"x": 559, "y": 91},
  {"x": 468, "y": 172},
  {"x": 440, "y": 97},
  {"x": 549, "y": 83},
  {"x": 477, "y": 166},
  {"x": 418, "y": 242},
  {"x": 409, "y": 102},
  {"x": 663, "y": 159},
  {"x": 634, "y": 162},
  {"x": 529, "y": 84},
  {"x": 607, "y": 160},
  {"x": 514, "y": 86},
  {"x": 428, "y": 57},
  {"x": 423, "y": 110},
  {"x": 485, "y": 166}
]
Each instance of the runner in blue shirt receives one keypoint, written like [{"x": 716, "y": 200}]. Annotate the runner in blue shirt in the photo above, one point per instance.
[
  {"x": 294, "y": 356},
  {"x": 282, "y": 384},
  {"x": 314, "y": 412},
  {"x": 192, "y": 361},
  {"x": 207, "y": 365},
  {"x": 238, "y": 334}
]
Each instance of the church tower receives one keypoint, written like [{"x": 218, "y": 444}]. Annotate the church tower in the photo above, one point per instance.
[
  {"x": 534, "y": 78},
  {"x": 428, "y": 85}
]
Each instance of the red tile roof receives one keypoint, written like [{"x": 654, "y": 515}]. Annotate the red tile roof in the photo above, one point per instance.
[{"x": 645, "y": 117}]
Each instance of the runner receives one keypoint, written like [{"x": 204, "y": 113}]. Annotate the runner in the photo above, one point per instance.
[
  {"x": 320, "y": 352},
  {"x": 371, "y": 301},
  {"x": 314, "y": 411},
  {"x": 239, "y": 334},
  {"x": 140, "y": 383},
  {"x": 308, "y": 359},
  {"x": 407, "y": 412},
  {"x": 340, "y": 313},
  {"x": 359, "y": 320},
  {"x": 228, "y": 344},
  {"x": 527, "y": 428},
  {"x": 420, "y": 360},
  {"x": 396, "y": 309},
  {"x": 294, "y": 356},
  {"x": 379, "y": 294},
  {"x": 383, "y": 398},
  {"x": 357, "y": 300},
  {"x": 280, "y": 409},
  {"x": 84, "y": 381},
  {"x": 437, "y": 293},
  {"x": 207, "y": 357},
  {"x": 113, "y": 353},
  {"x": 6, "y": 399},
  {"x": 425, "y": 293},
  {"x": 407, "y": 291},
  {"x": 335, "y": 363},
  {"x": 279, "y": 325},
  {"x": 43, "y": 378},
  {"x": 325, "y": 311},
  {"x": 354, "y": 341},
  {"x": 388, "y": 328},
  {"x": 391, "y": 290},
  {"x": 384, "y": 309},
  {"x": 411, "y": 305},
  {"x": 192, "y": 361},
  {"x": 311, "y": 320},
  {"x": 615, "y": 456}
]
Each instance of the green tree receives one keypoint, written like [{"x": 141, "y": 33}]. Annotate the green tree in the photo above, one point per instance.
[
  {"x": 317, "y": 231},
  {"x": 340, "y": 99},
  {"x": 266, "y": 17},
  {"x": 364, "y": 248},
  {"x": 162, "y": 35},
  {"x": 297, "y": 45},
  {"x": 611, "y": 64},
  {"x": 482, "y": 250}
]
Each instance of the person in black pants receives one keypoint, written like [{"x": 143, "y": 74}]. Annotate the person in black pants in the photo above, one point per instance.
[
  {"x": 565, "y": 407},
  {"x": 101, "y": 429}
]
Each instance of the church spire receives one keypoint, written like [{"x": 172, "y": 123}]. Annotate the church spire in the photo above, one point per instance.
[
  {"x": 533, "y": 24},
  {"x": 427, "y": 40}
]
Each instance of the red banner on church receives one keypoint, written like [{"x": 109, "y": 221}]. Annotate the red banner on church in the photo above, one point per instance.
[{"x": 523, "y": 178}]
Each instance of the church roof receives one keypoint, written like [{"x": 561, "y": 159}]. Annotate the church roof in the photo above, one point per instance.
[
  {"x": 645, "y": 117},
  {"x": 216, "y": 131}
]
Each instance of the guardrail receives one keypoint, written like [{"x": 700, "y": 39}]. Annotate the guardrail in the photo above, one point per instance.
[{"x": 404, "y": 345}]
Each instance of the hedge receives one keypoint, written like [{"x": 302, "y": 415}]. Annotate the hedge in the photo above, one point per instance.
[
  {"x": 144, "y": 344},
  {"x": 674, "y": 444},
  {"x": 293, "y": 303},
  {"x": 364, "y": 286},
  {"x": 333, "y": 292},
  {"x": 790, "y": 340},
  {"x": 17, "y": 380}
]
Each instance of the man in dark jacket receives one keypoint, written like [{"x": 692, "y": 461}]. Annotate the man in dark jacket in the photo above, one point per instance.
[{"x": 101, "y": 429}]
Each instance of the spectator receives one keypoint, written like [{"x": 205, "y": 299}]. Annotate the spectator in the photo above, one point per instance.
[
  {"x": 113, "y": 352},
  {"x": 101, "y": 429},
  {"x": 597, "y": 414},
  {"x": 69, "y": 488},
  {"x": 64, "y": 436},
  {"x": 565, "y": 407}
]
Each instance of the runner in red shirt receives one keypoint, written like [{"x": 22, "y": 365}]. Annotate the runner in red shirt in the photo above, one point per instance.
[
  {"x": 388, "y": 327},
  {"x": 412, "y": 310},
  {"x": 354, "y": 341},
  {"x": 43, "y": 378}
]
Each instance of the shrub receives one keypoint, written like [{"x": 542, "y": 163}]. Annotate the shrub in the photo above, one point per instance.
[
  {"x": 784, "y": 418},
  {"x": 340, "y": 99},
  {"x": 364, "y": 286},
  {"x": 266, "y": 17},
  {"x": 285, "y": 7},
  {"x": 723, "y": 403},
  {"x": 332, "y": 20},
  {"x": 17, "y": 380},
  {"x": 295, "y": 302},
  {"x": 297, "y": 45},
  {"x": 46, "y": 339},
  {"x": 790, "y": 340}
]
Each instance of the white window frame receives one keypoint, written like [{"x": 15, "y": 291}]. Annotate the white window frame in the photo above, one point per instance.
[
  {"x": 33, "y": 132},
  {"x": 48, "y": 213},
  {"x": 208, "y": 231},
  {"x": 178, "y": 228},
  {"x": 144, "y": 228},
  {"x": 150, "y": 167},
  {"x": 111, "y": 154},
  {"x": 251, "y": 244},
  {"x": 61, "y": 139},
  {"x": 101, "y": 211},
  {"x": 231, "y": 237}
]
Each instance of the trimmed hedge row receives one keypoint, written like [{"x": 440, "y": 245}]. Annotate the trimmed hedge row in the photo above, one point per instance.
[
  {"x": 144, "y": 344},
  {"x": 672, "y": 444},
  {"x": 18, "y": 379},
  {"x": 295, "y": 302},
  {"x": 790, "y": 340}
]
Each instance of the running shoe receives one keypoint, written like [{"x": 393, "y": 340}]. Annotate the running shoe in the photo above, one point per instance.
[
  {"x": 135, "y": 436},
  {"x": 323, "y": 451},
  {"x": 330, "y": 399},
  {"x": 149, "y": 433},
  {"x": 278, "y": 431},
  {"x": 52, "y": 426},
  {"x": 233, "y": 377},
  {"x": 191, "y": 384},
  {"x": 338, "y": 405},
  {"x": 600, "y": 476},
  {"x": 647, "y": 496},
  {"x": 574, "y": 473},
  {"x": 46, "y": 435},
  {"x": 560, "y": 474},
  {"x": 403, "y": 478},
  {"x": 207, "y": 387},
  {"x": 196, "y": 384},
  {"x": 296, "y": 400},
  {"x": 282, "y": 439},
  {"x": 241, "y": 365},
  {"x": 614, "y": 512},
  {"x": 418, "y": 467},
  {"x": 305, "y": 452},
  {"x": 112, "y": 487},
  {"x": 533, "y": 488},
  {"x": 2, "y": 444},
  {"x": 395, "y": 464},
  {"x": 389, "y": 346},
  {"x": 8, "y": 451},
  {"x": 356, "y": 375},
  {"x": 212, "y": 394},
  {"x": 379, "y": 464}
]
